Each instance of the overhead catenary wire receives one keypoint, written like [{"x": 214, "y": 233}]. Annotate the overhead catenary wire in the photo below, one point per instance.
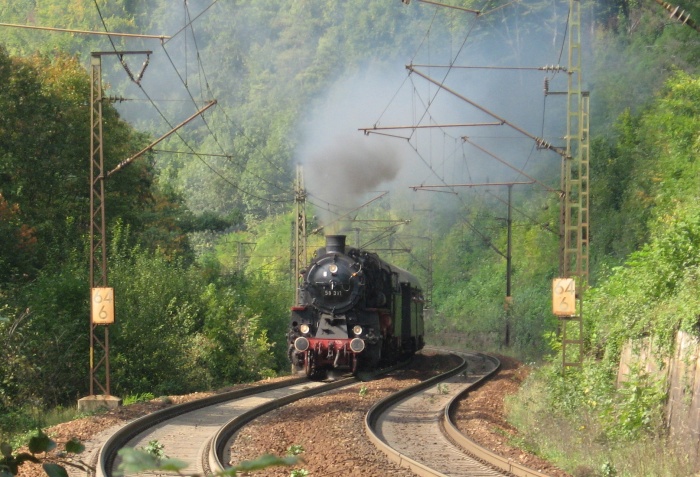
[
  {"x": 426, "y": 105},
  {"x": 213, "y": 134},
  {"x": 459, "y": 51},
  {"x": 242, "y": 132},
  {"x": 87, "y": 32},
  {"x": 165, "y": 119},
  {"x": 507, "y": 164},
  {"x": 540, "y": 142},
  {"x": 347, "y": 214},
  {"x": 173, "y": 151},
  {"x": 284, "y": 190},
  {"x": 192, "y": 20},
  {"x": 449, "y": 67},
  {"x": 554, "y": 68},
  {"x": 455, "y": 7}
]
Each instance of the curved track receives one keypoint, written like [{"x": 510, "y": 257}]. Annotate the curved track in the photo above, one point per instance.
[
  {"x": 193, "y": 432},
  {"x": 412, "y": 427}
]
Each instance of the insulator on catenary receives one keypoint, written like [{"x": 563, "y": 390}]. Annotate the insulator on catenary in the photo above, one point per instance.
[
  {"x": 546, "y": 86},
  {"x": 553, "y": 68},
  {"x": 681, "y": 16}
]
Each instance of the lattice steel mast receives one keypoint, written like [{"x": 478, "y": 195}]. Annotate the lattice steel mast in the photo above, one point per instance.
[
  {"x": 299, "y": 229},
  {"x": 99, "y": 329},
  {"x": 98, "y": 245},
  {"x": 575, "y": 186}
]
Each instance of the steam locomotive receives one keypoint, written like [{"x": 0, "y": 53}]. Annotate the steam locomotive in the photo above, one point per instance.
[{"x": 354, "y": 312}]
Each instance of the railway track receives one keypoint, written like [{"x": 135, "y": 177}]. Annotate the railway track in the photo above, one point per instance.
[
  {"x": 414, "y": 427},
  {"x": 200, "y": 433},
  {"x": 197, "y": 432}
]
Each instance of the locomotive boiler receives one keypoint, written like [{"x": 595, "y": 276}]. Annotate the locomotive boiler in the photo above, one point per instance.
[{"x": 354, "y": 312}]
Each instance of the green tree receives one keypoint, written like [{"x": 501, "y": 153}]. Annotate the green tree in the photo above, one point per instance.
[
  {"x": 43, "y": 167},
  {"x": 17, "y": 243}
]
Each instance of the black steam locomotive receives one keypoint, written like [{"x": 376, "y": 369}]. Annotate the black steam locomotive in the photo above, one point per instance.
[{"x": 355, "y": 312}]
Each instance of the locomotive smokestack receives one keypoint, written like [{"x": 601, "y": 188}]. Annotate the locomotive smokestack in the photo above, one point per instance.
[{"x": 335, "y": 243}]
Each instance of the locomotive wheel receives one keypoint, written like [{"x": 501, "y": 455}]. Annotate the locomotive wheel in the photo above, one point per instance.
[
  {"x": 308, "y": 365},
  {"x": 390, "y": 352},
  {"x": 310, "y": 368},
  {"x": 370, "y": 357}
]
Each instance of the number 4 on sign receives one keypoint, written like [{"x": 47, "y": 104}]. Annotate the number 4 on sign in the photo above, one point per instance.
[
  {"x": 564, "y": 297},
  {"x": 102, "y": 304}
]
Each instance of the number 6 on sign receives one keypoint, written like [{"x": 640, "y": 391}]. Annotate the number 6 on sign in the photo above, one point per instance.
[
  {"x": 564, "y": 297},
  {"x": 102, "y": 305}
]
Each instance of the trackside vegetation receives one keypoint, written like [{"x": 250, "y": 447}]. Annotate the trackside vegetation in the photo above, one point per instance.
[
  {"x": 199, "y": 246},
  {"x": 653, "y": 293}
]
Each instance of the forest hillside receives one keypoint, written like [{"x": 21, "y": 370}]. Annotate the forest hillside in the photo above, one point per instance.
[{"x": 407, "y": 119}]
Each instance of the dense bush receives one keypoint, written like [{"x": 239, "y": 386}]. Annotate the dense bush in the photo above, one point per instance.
[{"x": 648, "y": 298}]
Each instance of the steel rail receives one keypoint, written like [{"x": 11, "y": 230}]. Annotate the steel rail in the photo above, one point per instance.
[
  {"x": 108, "y": 452},
  {"x": 217, "y": 447},
  {"x": 481, "y": 453},
  {"x": 214, "y": 461},
  {"x": 467, "y": 445},
  {"x": 373, "y": 415},
  {"x": 212, "y": 458}
]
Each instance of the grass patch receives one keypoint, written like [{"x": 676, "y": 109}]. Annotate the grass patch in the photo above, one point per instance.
[
  {"x": 18, "y": 426},
  {"x": 134, "y": 398},
  {"x": 578, "y": 444}
]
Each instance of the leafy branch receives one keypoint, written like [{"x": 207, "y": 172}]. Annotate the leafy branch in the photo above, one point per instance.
[
  {"x": 133, "y": 460},
  {"x": 41, "y": 444},
  {"x": 137, "y": 461}
]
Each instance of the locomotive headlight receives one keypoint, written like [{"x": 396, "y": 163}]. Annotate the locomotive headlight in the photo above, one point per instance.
[
  {"x": 357, "y": 345},
  {"x": 301, "y": 344},
  {"x": 357, "y": 329},
  {"x": 304, "y": 328},
  {"x": 333, "y": 268}
]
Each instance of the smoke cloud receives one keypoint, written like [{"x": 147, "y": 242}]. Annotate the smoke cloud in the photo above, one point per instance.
[
  {"x": 343, "y": 168},
  {"x": 344, "y": 172}
]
